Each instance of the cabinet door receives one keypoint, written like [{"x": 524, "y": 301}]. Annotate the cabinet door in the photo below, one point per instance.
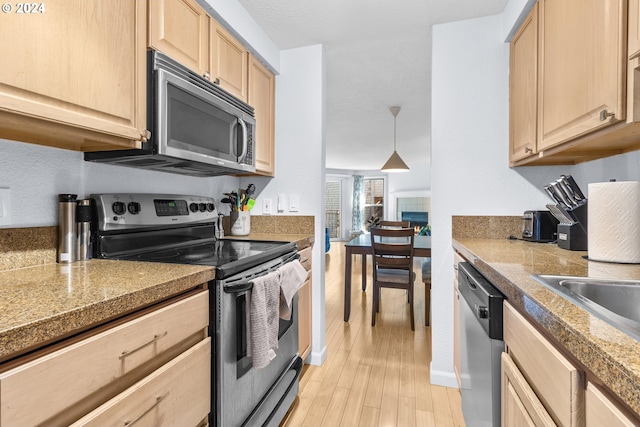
[
  {"x": 582, "y": 68},
  {"x": 79, "y": 63},
  {"x": 262, "y": 98},
  {"x": 604, "y": 411},
  {"x": 177, "y": 394},
  {"x": 558, "y": 384},
  {"x": 634, "y": 28},
  {"x": 180, "y": 29},
  {"x": 523, "y": 87},
  {"x": 304, "y": 306},
  {"x": 520, "y": 406},
  {"x": 229, "y": 61}
]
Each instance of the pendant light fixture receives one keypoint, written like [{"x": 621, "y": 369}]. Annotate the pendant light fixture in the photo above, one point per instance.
[{"x": 395, "y": 163}]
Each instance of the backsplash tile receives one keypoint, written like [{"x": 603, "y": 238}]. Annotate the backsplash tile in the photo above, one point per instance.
[
  {"x": 486, "y": 227},
  {"x": 26, "y": 247}
]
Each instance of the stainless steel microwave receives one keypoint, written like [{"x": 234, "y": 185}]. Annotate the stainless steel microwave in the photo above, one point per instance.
[{"x": 196, "y": 127}]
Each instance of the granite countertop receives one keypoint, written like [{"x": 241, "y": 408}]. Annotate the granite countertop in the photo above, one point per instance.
[
  {"x": 43, "y": 303},
  {"x": 611, "y": 355}
]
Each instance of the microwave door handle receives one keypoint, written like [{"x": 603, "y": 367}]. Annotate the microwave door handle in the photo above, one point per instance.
[{"x": 245, "y": 137}]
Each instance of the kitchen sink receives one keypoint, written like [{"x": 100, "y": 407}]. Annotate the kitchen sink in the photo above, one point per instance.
[{"x": 614, "y": 301}]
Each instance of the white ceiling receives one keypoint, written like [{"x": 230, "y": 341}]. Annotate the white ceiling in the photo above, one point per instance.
[{"x": 378, "y": 55}]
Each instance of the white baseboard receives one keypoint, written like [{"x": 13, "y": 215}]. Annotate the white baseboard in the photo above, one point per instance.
[
  {"x": 443, "y": 378},
  {"x": 317, "y": 357}
]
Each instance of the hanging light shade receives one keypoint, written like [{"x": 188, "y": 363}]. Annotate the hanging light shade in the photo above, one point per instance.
[{"x": 395, "y": 163}]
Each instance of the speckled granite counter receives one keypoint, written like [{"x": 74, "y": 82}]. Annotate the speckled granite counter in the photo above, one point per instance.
[
  {"x": 302, "y": 240},
  {"x": 612, "y": 356},
  {"x": 46, "y": 302}
]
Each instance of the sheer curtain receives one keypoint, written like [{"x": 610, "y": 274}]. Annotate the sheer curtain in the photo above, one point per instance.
[{"x": 357, "y": 214}]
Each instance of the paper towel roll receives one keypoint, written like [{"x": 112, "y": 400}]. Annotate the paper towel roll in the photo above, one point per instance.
[{"x": 613, "y": 221}]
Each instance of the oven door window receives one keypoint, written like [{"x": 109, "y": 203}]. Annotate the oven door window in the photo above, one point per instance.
[
  {"x": 244, "y": 361},
  {"x": 195, "y": 122}
]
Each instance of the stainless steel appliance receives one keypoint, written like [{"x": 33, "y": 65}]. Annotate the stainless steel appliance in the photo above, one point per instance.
[
  {"x": 539, "y": 226},
  {"x": 181, "y": 229},
  {"x": 196, "y": 127},
  {"x": 481, "y": 345}
]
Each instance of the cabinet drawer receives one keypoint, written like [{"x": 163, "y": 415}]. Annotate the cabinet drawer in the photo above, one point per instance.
[
  {"x": 556, "y": 382},
  {"x": 176, "y": 394},
  {"x": 602, "y": 410},
  {"x": 520, "y": 405},
  {"x": 58, "y": 380},
  {"x": 305, "y": 257}
]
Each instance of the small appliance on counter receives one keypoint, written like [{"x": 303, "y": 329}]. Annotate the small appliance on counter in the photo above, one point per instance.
[
  {"x": 571, "y": 211},
  {"x": 539, "y": 226}
]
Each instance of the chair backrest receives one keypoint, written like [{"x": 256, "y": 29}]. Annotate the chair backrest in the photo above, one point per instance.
[
  {"x": 392, "y": 247},
  {"x": 399, "y": 224}
]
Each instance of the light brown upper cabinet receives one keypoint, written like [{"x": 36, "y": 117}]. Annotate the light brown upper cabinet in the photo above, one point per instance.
[
  {"x": 585, "y": 83},
  {"x": 180, "y": 29},
  {"x": 184, "y": 31},
  {"x": 73, "y": 75},
  {"x": 262, "y": 98},
  {"x": 523, "y": 86},
  {"x": 229, "y": 61}
]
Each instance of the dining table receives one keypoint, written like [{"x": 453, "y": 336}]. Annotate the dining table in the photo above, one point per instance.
[{"x": 361, "y": 245}]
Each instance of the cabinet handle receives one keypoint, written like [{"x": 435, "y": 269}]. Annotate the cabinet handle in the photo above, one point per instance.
[
  {"x": 207, "y": 76},
  {"x": 139, "y": 417},
  {"x": 528, "y": 150},
  {"x": 217, "y": 80},
  {"x": 604, "y": 115},
  {"x": 130, "y": 352}
]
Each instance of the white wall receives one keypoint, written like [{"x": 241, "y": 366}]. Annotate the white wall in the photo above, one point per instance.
[
  {"x": 470, "y": 173},
  {"x": 300, "y": 171},
  {"x": 36, "y": 175}
]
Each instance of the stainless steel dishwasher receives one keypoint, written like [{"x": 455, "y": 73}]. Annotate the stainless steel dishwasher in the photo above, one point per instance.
[{"x": 481, "y": 345}]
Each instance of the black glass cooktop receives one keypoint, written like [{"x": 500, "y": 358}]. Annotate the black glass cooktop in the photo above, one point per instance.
[{"x": 213, "y": 254}]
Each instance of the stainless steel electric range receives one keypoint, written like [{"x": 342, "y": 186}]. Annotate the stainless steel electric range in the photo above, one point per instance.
[{"x": 181, "y": 229}]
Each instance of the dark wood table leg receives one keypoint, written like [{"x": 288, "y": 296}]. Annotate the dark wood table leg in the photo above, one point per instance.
[
  {"x": 347, "y": 284},
  {"x": 364, "y": 272}
]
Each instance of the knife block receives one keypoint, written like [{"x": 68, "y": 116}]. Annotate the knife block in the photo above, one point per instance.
[{"x": 574, "y": 236}]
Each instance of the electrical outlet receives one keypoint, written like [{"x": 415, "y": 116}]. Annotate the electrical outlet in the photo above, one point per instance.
[
  {"x": 294, "y": 202},
  {"x": 5, "y": 206},
  {"x": 266, "y": 206}
]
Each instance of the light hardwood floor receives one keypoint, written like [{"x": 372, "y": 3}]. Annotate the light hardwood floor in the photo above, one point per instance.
[{"x": 373, "y": 376}]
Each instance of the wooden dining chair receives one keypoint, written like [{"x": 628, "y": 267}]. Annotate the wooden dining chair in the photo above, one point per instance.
[
  {"x": 399, "y": 224},
  {"x": 392, "y": 250}
]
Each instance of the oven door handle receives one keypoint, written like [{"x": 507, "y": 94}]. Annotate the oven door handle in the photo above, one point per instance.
[{"x": 239, "y": 288}]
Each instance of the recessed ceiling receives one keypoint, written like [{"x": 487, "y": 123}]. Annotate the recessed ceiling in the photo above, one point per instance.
[{"x": 378, "y": 55}]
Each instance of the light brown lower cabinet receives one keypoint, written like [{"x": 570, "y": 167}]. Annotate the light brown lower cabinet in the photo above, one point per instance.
[
  {"x": 520, "y": 405},
  {"x": 177, "y": 394},
  {"x": 71, "y": 380},
  {"x": 603, "y": 410},
  {"x": 542, "y": 378},
  {"x": 304, "y": 306}
]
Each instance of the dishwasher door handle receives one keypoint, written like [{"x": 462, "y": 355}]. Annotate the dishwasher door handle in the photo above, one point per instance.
[{"x": 482, "y": 312}]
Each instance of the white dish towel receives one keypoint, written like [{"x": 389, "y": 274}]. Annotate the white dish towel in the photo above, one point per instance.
[
  {"x": 263, "y": 322},
  {"x": 292, "y": 277}
]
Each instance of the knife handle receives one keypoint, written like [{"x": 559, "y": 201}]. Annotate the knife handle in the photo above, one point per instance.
[{"x": 571, "y": 183}]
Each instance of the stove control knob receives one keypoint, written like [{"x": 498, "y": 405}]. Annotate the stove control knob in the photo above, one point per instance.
[
  {"x": 119, "y": 208},
  {"x": 134, "y": 208},
  {"x": 193, "y": 207},
  {"x": 202, "y": 207},
  {"x": 210, "y": 207}
]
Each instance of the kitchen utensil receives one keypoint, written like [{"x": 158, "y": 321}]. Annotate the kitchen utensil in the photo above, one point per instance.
[
  {"x": 571, "y": 183},
  {"x": 560, "y": 214},
  {"x": 552, "y": 194},
  {"x": 555, "y": 187},
  {"x": 568, "y": 193}
]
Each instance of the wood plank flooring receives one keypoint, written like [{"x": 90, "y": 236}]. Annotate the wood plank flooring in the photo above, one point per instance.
[{"x": 373, "y": 376}]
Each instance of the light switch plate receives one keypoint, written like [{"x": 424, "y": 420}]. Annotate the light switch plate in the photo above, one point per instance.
[
  {"x": 294, "y": 203},
  {"x": 266, "y": 206},
  {"x": 5, "y": 206}
]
